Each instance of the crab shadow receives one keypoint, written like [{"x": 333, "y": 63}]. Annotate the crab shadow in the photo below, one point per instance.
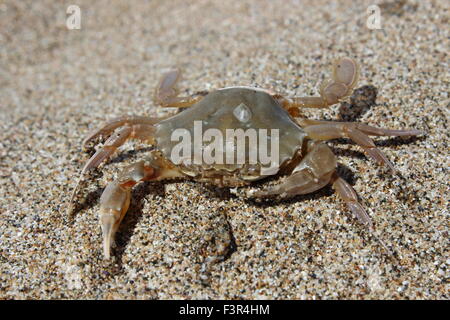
[
  {"x": 130, "y": 154},
  {"x": 90, "y": 199},
  {"x": 362, "y": 100},
  {"x": 399, "y": 141},
  {"x": 389, "y": 142}
]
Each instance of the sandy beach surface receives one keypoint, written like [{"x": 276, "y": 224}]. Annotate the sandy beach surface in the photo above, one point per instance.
[{"x": 57, "y": 84}]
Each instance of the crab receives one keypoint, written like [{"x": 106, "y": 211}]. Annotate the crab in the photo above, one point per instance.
[{"x": 305, "y": 160}]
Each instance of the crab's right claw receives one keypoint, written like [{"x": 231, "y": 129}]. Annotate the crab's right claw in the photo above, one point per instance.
[
  {"x": 107, "y": 222},
  {"x": 114, "y": 204}
]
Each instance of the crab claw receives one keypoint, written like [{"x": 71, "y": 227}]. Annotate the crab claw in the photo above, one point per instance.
[
  {"x": 107, "y": 222},
  {"x": 114, "y": 204}
]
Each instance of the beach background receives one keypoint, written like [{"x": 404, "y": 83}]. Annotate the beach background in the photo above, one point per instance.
[{"x": 58, "y": 83}]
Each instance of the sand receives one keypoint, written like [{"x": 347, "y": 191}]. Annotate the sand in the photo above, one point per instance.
[{"x": 56, "y": 84}]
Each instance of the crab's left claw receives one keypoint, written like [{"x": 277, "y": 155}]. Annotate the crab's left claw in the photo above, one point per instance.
[
  {"x": 339, "y": 87},
  {"x": 166, "y": 94},
  {"x": 115, "y": 199}
]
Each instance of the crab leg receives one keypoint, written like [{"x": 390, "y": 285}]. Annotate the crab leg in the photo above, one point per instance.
[
  {"x": 113, "y": 124},
  {"x": 166, "y": 93},
  {"x": 348, "y": 194},
  {"x": 143, "y": 132},
  {"x": 345, "y": 76},
  {"x": 313, "y": 173},
  {"x": 316, "y": 170},
  {"x": 358, "y": 132}
]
